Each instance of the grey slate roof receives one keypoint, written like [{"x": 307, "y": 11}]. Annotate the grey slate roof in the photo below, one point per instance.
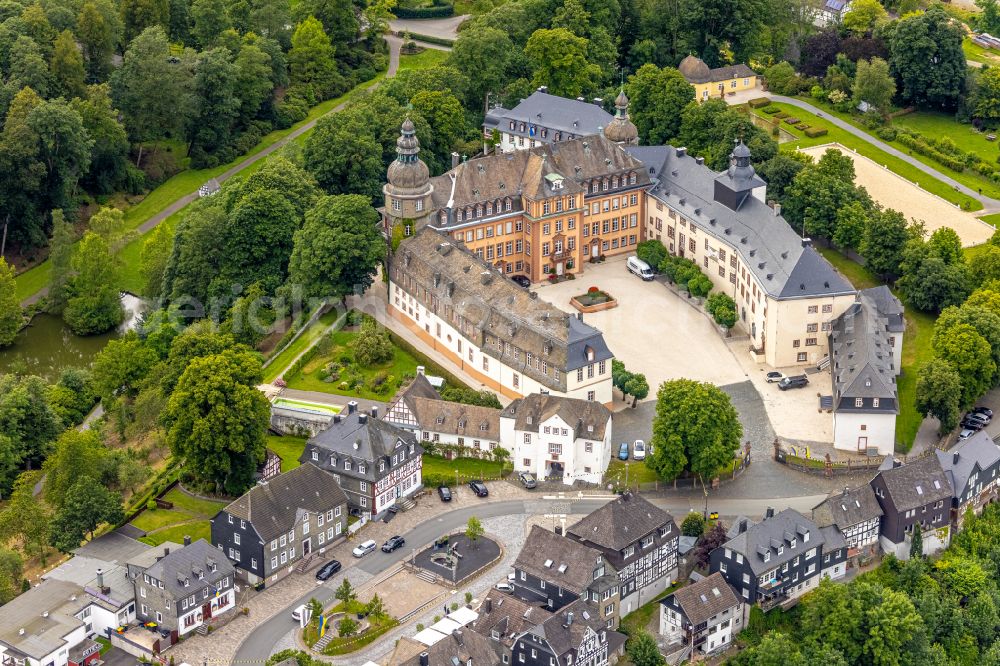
[
  {"x": 492, "y": 307},
  {"x": 570, "y": 116},
  {"x": 861, "y": 363},
  {"x": 563, "y": 636},
  {"x": 833, "y": 539},
  {"x": 765, "y": 242},
  {"x": 461, "y": 648},
  {"x": 622, "y": 522},
  {"x": 918, "y": 482},
  {"x": 773, "y": 532},
  {"x": 185, "y": 563},
  {"x": 576, "y": 560},
  {"x": 456, "y": 418},
  {"x": 887, "y": 305},
  {"x": 705, "y": 599},
  {"x": 847, "y": 507},
  {"x": 588, "y": 419},
  {"x": 508, "y": 616},
  {"x": 978, "y": 452},
  {"x": 272, "y": 508},
  {"x": 359, "y": 437}
]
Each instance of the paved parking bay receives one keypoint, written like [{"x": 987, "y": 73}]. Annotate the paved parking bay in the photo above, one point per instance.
[{"x": 653, "y": 330}]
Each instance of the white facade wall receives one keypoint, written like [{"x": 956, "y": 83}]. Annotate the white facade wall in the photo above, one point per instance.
[
  {"x": 400, "y": 482},
  {"x": 879, "y": 431},
  {"x": 195, "y": 618},
  {"x": 836, "y": 571},
  {"x": 102, "y": 619},
  {"x": 530, "y": 451},
  {"x": 468, "y": 440}
]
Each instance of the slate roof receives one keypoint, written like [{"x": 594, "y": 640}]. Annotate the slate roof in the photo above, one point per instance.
[
  {"x": 920, "y": 481},
  {"x": 833, "y": 538},
  {"x": 588, "y": 419},
  {"x": 456, "y": 418},
  {"x": 773, "y": 532},
  {"x": 576, "y": 560},
  {"x": 360, "y": 437},
  {"x": 765, "y": 242},
  {"x": 563, "y": 636},
  {"x": 959, "y": 462},
  {"x": 704, "y": 599},
  {"x": 507, "y": 615},
  {"x": 273, "y": 508},
  {"x": 570, "y": 116},
  {"x": 887, "y": 305},
  {"x": 185, "y": 563},
  {"x": 861, "y": 362},
  {"x": 462, "y": 647},
  {"x": 42, "y": 634},
  {"x": 622, "y": 522},
  {"x": 847, "y": 507},
  {"x": 487, "y": 307}
]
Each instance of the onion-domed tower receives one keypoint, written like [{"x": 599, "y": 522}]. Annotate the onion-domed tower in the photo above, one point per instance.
[
  {"x": 408, "y": 188},
  {"x": 621, "y": 130}
]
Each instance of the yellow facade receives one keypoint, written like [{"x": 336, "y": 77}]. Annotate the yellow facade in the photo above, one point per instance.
[{"x": 719, "y": 89}]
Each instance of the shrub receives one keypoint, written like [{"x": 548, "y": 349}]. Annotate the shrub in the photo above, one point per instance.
[
  {"x": 700, "y": 286},
  {"x": 814, "y": 132},
  {"x": 592, "y": 290},
  {"x": 693, "y": 525},
  {"x": 771, "y": 110},
  {"x": 792, "y": 121},
  {"x": 759, "y": 102},
  {"x": 372, "y": 345},
  {"x": 442, "y": 11},
  {"x": 151, "y": 505},
  {"x": 802, "y": 126},
  {"x": 886, "y": 133},
  {"x": 781, "y": 114},
  {"x": 817, "y": 93}
]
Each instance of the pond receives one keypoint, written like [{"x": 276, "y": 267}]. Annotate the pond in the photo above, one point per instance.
[{"x": 46, "y": 346}]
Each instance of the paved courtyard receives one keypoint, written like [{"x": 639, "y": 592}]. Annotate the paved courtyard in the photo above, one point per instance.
[
  {"x": 401, "y": 593},
  {"x": 652, "y": 330}
]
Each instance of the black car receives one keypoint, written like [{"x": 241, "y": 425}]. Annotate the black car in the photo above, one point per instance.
[
  {"x": 972, "y": 424},
  {"x": 479, "y": 488},
  {"x": 978, "y": 416},
  {"x": 521, "y": 280},
  {"x": 327, "y": 570},
  {"x": 797, "y": 381},
  {"x": 444, "y": 492},
  {"x": 393, "y": 543},
  {"x": 985, "y": 411}
]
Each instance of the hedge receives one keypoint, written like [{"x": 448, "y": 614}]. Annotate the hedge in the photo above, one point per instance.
[
  {"x": 424, "y": 12},
  {"x": 427, "y": 39},
  {"x": 920, "y": 146},
  {"x": 814, "y": 132},
  {"x": 759, "y": 102},
  {"x": 771, "y": 110},
  {"x": 802, "y": 126},
  {"x": 781, "y": 114},
  {"x": 792, "y": 121}
]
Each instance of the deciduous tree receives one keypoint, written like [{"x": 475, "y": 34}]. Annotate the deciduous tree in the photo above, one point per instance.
[
  {"x": 76, "y": 454},
  {"x": 209, "y": 20},
  {"x": 26, "y": 418},
  {"x": 474, "y": 530},
  {"x": 11, "y": 570},
  {"x": 483, "y": 55},
  {"x": 883, "y": 241},
  {"x": 864, "y": 16},
  {"x": 94, "y": 306},
  {"x": 656, "y": 99},
  {"x": 873, "y": 82},
  {"x": 558, "y": 59},
  {"x": 25, "y": 518},
  {"x": 643, "y": 651},
  {"x": 67, "y": 66},
  {"x": 11, "y": 317},
  {"x": 938, "y": 393},
  {"x": 344, "y": 157},
  {"x": 96, "y": 35},
  {"x": 85, "y": 507},
  {"x": 927, "y": 57},
  {"x": 310, "y": 60},
  {"x": 120, "y": 367},
  {"x": 970, "y": 355}
]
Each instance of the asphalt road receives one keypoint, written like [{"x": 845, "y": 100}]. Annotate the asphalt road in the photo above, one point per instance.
[{"x": 259, "y": 644}]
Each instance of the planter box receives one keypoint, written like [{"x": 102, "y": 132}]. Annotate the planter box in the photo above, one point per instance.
[{"x": 596, "y": 307}]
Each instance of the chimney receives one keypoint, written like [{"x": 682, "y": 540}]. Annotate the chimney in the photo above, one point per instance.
[
  {"x": 847, "y": 489},
  {"x": 166, "y": 551},
  {"x": 700, "y": 161},
  {"x": 599, "y": 102},
  {"x": 743, "y": 525},
  {"x": 187, "y": 540},
  {"x": 352, "y": 406},
  {"x": 579, "y": 315},
  {"x": 777, "y": 209},
  {"x": 362, "y": 419},
  {"x": 543, "y": 89},
  {"x": 374, "y": 412},
  {"x": 954, "y": 458},
  {"x": 336, "y": 418},
  {"x": 489, "y": 605},
  {"x": 420, "y": 369},
  {"x": 681, "y": 152},
  {"x": 458, "y": 637},
  {"x": 569, "y": 618},
  {"x": 100, "y": 580},
  {"x": 424, "y": 659},
  {"x": 806, "y": 242},
  {"x": 769, "y": 513},
  {"x": 454, "y": 160}
]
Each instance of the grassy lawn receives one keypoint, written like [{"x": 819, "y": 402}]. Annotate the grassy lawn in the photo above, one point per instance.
[
  {"x": 194, "y": 505},
  {"x": 427, "y": 58},
  {"x": 104, "y": 643},
  {"x": 977, "y": 53},
  {"x": 640, "y": 618},
  {"x": 304, "y": 341},
  {"x": 199, "y": 529},
  {"x": 310, "y": 377},
  {"x": 439, "y": 469},
  {"x": 159, "y": 518},
  {"x": 288, "y": 449},
  {"x": 900, "y": 167},
  {"x": 638, "y": 471},
  {"x": 993, "y": 219},
  {"x": 916, "y": 349},
  {"x": 189, "y": 517}
]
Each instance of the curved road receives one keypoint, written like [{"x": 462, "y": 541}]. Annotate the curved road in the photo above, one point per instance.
[
  {"x": 990, "y": 205},
  {"x": 259, "y": 645},
  {"x": 394, "y": 45}
]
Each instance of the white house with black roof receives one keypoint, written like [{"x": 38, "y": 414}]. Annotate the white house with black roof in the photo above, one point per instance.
[
  {"x": 786, "y": 293},
  {"x": 274, "y": 526},
  {"x": 864, "y": 362},
  {"x": 971, "y": 467},
  {"x": 542, "y": 118},
  {"x": 856, "y": 514},
  {"x": 775, "y": 561},
  {"x": 373, "y": 461},
  {"x": 916, "y": 495},
  {"x": 640, "y": 540},
  {"x": 704, "y": 615}
]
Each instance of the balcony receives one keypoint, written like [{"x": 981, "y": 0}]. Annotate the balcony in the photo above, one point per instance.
[
  {"x": 771, "y": 584},
  {"x": 768, "y": 603}
]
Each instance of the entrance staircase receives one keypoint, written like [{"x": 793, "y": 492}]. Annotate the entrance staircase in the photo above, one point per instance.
[
  {"x": 307, "y": 563},
  {"x": 405, "y": 503}
]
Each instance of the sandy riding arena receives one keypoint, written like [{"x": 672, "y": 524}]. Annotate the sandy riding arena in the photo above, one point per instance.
[{"x": 893, "y": 191}]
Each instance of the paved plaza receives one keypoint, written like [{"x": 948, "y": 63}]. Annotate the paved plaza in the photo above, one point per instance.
[{"x": 471, "y": 557}]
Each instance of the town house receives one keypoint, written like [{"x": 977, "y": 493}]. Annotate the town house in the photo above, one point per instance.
[
  {"x": 573, "y": 635},
  {"x": 971, "y": 467},
  {"x": 639, "y": 540},
  {"x": 703, "y": 616},
  {"x": 856, "y": 514},
  {"x": 282, "y": 524},
  {"x": 914, "y": 496},
  {"x": 49, "y": 625}
]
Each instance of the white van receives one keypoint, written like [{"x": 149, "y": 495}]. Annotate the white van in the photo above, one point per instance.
[{"x": 640, "y": 268}]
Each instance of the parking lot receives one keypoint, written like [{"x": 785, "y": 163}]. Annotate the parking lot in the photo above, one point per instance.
[
  {"x": 794, "y": 413},
  {"x": 652, "y": 330}
]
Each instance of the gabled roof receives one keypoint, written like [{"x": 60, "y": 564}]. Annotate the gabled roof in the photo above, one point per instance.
[
  {"x": 978, "y": 452},
  {"x": 184, "y": 564},
  {"x": 887, "y": 305},
  {"x": 460, "y": 648},
  {"x": 704, "y": 599},
  {"x": 456, "y": 418},
  {"x": 861, "y": 360},
  {"x": 589, "y": 419},
  {"x": 541, "y": 109},
  {"x": 622, "y": 522},
  {"x": 847, "y": 507},
  {"x": 920, "y": 481},
  {"x": 272, "y": 508},
  {"x": 508, "y": 616},
  {"x": 571, "y": 564},
  {"x": 774, "y": 534},
  {"x": 563, "y": 634},
  {"x": 358, "y": 436}
]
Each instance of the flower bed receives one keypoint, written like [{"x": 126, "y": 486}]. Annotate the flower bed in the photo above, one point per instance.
[{"x": 594, "y": 300}]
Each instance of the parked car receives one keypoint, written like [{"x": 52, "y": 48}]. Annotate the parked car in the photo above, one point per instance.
[
  {"x": 639, "y": 450},
  {"x": 297, "y": 612},
  {"x": 986, "y": 411},
  {"x": 390, "y": 513},
  {"x": 966, "y": 433},
  {"x": 444, "y": 492},
  {"x": 393, "y": 543},
  {"x": 364, "y": 548},
  {"x": 527, "y": 480},
  {"x": 976, "y": 416},
  {"x": 796, "y": 381},
  {"x": 623, "y": 451},
  {"x": 972, "y": 424},
  {"x": 326, "y": 571},
  {"x": 774, "y": 376},
  {"x": 479, "y": 488},
  {"x": 637, "y": 266},
  {"x": 504, "y": 587},
  {"x": 521, "y": 281}
]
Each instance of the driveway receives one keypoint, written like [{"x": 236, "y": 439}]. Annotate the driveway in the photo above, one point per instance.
[
  {"x": 652, "y": 330},
  {"x": 445, "y": 28}
]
